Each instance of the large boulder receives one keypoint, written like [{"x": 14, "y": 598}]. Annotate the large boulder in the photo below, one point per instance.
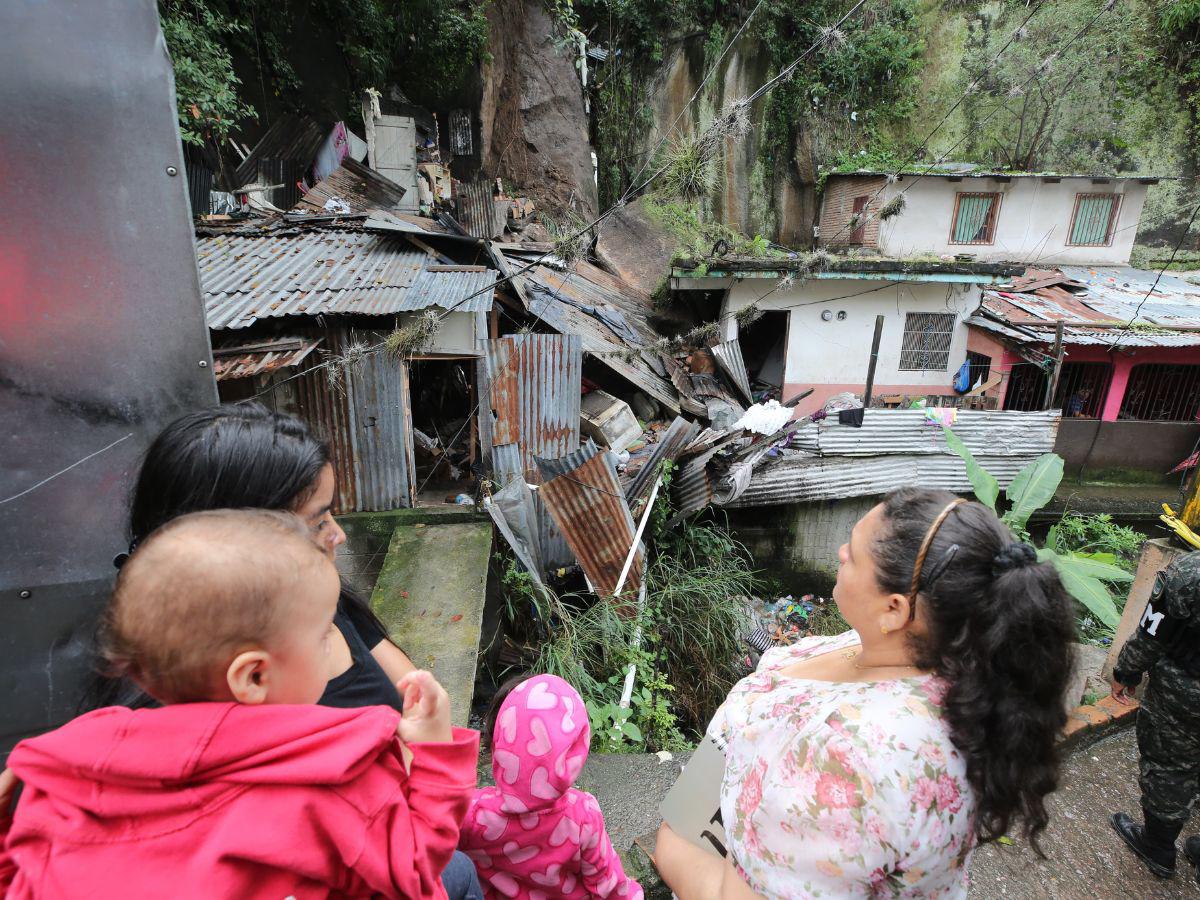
[
  {"x": 532, "y": 117},
  {"x": 636, "y": 249}
]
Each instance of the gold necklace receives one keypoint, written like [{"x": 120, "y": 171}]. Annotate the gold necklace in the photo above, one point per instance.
[{"x": 853, "y": 657}]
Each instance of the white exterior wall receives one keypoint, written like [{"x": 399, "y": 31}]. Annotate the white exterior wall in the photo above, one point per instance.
[
  {"x": 1033, "y": 224},
  {"x": 832, "y": 357},
  {"x": 837, "y": 352}
]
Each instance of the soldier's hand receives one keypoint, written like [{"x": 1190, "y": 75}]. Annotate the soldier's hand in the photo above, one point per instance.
[{"x": 1121, "y": 693}]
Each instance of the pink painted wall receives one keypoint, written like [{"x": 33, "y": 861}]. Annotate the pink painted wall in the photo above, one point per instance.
[{"x": 1123, "y": 363}]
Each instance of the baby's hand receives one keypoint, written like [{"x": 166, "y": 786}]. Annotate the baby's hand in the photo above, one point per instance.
[{"x": 426, "y": 716}]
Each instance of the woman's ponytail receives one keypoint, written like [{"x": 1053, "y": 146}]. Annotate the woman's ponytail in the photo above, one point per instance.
[{"x": 999, "y": 627}]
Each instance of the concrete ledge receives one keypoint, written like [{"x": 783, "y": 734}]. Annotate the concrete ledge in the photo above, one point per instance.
[{"x": 1087, "y": 724}]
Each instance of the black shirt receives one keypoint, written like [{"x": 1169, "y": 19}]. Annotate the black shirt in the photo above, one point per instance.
[{"x": 364, "y": 683}]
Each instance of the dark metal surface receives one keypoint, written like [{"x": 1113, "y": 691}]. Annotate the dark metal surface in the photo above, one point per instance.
[{"x": 103, "y": 337}]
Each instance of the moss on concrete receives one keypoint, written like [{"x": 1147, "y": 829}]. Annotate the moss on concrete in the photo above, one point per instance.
[{"x": 430, "y": 596}]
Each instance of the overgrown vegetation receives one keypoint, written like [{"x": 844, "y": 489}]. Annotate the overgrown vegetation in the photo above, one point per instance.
[
  {"x": 425, "y": 46},
  {"x": 685, "y": 644}
]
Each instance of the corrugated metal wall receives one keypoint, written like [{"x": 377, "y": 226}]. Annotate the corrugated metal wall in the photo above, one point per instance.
[
  {"x": 536, "y": 381},
  {"x": 367, "y": 421}
]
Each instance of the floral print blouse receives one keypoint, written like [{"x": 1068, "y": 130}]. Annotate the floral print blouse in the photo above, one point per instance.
[{"x": 842, "y": 789}]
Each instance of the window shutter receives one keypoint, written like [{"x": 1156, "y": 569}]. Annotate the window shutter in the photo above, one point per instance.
[
  {"x": 974, "y": 215},
  {"x": 1092, "y": 217}
]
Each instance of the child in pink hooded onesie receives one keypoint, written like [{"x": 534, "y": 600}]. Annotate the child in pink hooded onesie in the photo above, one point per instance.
[{"x": 533, "y": 836}]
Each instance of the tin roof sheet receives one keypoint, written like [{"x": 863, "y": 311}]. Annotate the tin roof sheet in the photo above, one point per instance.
[
  {"x": 248, "y": 359},
  {"x": 588, "y": 506},
  {"x": 1096, "y": 303},
  {"x": 363, "y": 189},
  {"x": 612, "y": 318},
  {"x": 321, "y": 271}
]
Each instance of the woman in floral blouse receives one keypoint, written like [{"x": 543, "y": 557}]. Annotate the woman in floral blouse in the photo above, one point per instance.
[{"x": 870, "y": 764}]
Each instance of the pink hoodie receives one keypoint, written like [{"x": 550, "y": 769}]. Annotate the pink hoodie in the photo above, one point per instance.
[
  {"x": 533, "y": 836},
  {"x": 223, "y": 800}
]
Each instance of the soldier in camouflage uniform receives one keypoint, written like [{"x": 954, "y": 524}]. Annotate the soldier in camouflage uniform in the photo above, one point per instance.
[{"x": 1167, "y": 647}]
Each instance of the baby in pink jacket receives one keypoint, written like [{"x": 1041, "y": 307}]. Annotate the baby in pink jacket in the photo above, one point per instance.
[{"x": 533, "y": 836}]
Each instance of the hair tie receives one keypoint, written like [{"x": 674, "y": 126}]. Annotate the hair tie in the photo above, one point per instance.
[{"x": 1013, "y": 556}]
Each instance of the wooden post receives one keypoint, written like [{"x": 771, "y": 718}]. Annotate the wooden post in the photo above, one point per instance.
[
  {"x": 874, "y": 361},
  {"x": 1052, "y": 381}
]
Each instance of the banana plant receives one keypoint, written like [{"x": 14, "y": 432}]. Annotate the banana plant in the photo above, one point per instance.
[{"x": 1085, "y": 575}]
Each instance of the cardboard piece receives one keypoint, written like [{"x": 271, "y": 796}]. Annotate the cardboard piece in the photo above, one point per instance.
[
  {"x": 1156, "y": 556},
  {"x": 693, "y": 805}
]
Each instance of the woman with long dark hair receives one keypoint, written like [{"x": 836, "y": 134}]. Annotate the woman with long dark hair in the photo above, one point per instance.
[
  {"x": 872, "y": 763},
  {"x": 247, "y": 457}
]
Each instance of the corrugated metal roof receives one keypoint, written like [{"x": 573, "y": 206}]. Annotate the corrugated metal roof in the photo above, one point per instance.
[
  {"x": 729, "y": 356},
  {"x": 322, "y": 271},
  {"x": 800, "y": 478},
  {"x": 246, "y": 360},
  {"x": 535, "y": 385},
  {"x": 907, "y": 431},
  {"x": 588, "y": 506},
  {"x": 612, "y": 318},
  {"x": 290, "y": 137},
  {"x": 1096, "y": 304},
  {"x": 477, "y": 209},
  {"x": 362, "y": 188},
  {"x": 892, "y": 449},
  {"x": 670, "y": 445}
]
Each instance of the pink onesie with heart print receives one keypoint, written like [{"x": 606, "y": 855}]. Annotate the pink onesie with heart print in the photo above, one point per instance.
[{"x": 533, "y": 835}]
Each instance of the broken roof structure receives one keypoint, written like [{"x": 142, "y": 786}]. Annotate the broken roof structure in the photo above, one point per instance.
[
  {"x": 1097, "y": 306},
  {"x": 611, "y": 317}
]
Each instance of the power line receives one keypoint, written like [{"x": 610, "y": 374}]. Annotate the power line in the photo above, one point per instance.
[{"x": 1182, "y": 237}]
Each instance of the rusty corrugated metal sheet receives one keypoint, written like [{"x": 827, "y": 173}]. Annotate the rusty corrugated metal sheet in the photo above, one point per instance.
[
  {"x": 536, "y": 382},
  {"x": 260, "y": 357},
  {"x": 322, "y": 271},
  {"x": 326, "y": 409},
  {"x": 612, "y": 318},
  {"x": 908, "y": 431},
  {"x": 367, "y": 421},
  {"x": 362, "y": 188},
  {"x": 670, "y": 445},
  {"x": 590, "y": 510},
  {"x": 477, "y": 209},
  {"x": 291, "y": 138},
  {"x": 729, "y": 357},
  {"x": 1097, "y": 303}
]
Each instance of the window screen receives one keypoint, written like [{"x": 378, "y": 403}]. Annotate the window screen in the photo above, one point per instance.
[
  {"x": 1094, "y": 215},
  {"x": 926, "y": 346},
  {"x": 975, "y": 219}
]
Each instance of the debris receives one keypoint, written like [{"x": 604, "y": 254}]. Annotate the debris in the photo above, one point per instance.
[
  {"x": 608, "y": 421},
  {"x": 765, "y": 418}
]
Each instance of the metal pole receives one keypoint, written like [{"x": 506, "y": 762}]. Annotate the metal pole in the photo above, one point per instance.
[
  {"x": 1052, "y": 381},
  {"x": 874, "y": 361}
]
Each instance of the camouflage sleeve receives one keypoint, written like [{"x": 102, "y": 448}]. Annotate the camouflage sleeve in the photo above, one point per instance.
[{"x": 1173, "y": 601}]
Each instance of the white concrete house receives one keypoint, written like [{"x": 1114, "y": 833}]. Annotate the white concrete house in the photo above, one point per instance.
[
  {"x": 816, "y": 333},
  {"x": 1040, "y": 220}
]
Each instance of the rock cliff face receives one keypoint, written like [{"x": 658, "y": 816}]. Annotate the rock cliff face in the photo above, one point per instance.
[
  {"x": 754, "y": 193},
  {"x": 533, "y": 121}
]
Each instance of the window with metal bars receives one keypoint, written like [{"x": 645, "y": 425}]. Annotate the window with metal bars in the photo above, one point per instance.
[
  {"x": 1162, "y": 392},
  {"x": 1093, "y": 219},
  {"x": 1082, "y": 389},
  {"x": 926, "y": 345},
  {"x": 1026, "y": 388},
  {"x": 974, "y": 218}
]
